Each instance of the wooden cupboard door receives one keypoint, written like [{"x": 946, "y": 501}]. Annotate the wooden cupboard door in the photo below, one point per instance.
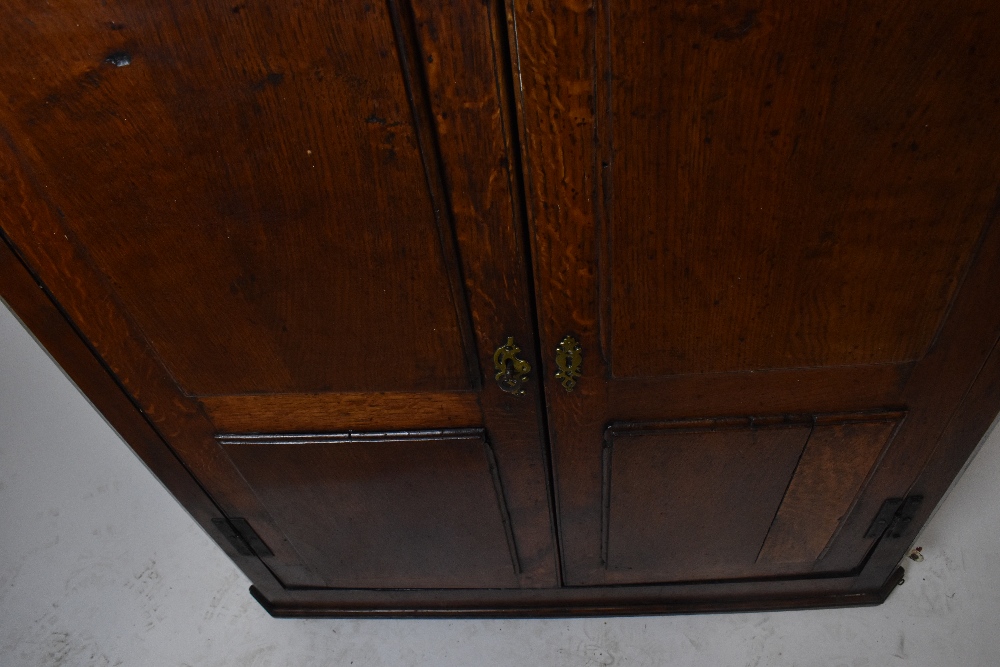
[
  {"x": 747, "y": 211},
  {"x": 283, "y": 218}
]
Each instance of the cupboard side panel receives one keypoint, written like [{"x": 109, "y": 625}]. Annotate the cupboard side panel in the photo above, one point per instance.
[{"x": 48, "y": 324}]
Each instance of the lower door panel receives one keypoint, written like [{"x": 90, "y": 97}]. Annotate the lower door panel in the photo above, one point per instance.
[
  {"x": 733, "y": 498},
  {"x": 417, "y": 509}
]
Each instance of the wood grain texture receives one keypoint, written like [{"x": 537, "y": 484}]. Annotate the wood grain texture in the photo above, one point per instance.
[
  {"x": 950, "y": 386},
  {"x": 253, "y": 204},
  {"x": 694, "y": 501},
  {"x": 363, "y": 411},
  {"x": 837, "y": 460},
  {"x": 40, "y": 314},
  {"x": 385, "y": 510},
  {"x": 786, "y": 390},
  {"x": 771, "y": 251},
  {"x": 792, "y": 185},
  {"x": 555, "y": 63},
  {"x": 463, "y": 47},
  {"x": 32, "y": 225},
  {"x": 251, "y": 184},
  {"x": 308, "y": 218},
  {"x": 968, "y": 427}
]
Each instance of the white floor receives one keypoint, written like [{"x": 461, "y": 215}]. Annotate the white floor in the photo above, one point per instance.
[{"x": 100, "y": 566}]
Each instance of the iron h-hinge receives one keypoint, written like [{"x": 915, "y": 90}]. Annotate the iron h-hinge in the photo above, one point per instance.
[
  {"x": 243, "y": 538},
  {"x": 894, "y": 517}
]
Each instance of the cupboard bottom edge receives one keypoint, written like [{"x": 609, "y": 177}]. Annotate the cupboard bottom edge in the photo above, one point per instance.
[{"x": 573, "y": 602}]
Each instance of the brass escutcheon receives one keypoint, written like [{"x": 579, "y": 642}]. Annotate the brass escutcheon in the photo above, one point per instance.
[
  {"x": 512, "y": 372},
  {"x": 568, "y": 361}
]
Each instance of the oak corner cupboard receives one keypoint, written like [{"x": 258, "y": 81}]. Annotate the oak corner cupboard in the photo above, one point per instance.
[{"x": 520, "y": 308}]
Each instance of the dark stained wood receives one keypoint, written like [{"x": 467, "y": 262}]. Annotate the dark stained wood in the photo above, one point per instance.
[
  {"x": 581, "y": 601},
  {"x": 968, "y": 427},
  {"x": 954, "y": 413},
  {"x": 254, "y": 207},
  {"x": 385, "y": 510},
  {"x": 463, "y": 47},
  {"x": 236, "y": 233},
  {"x": 79, "y": 292},
  {"x": 741, "y": 208},
  {"x": 934, "y": 395},
  {"x": 271, "y": 221},
  {"x": 774, "y": 169},
  {"x": 838, "y": 458},
  {"x": 695, "y": 501},
  {"x": 785, "y": 390},
  {"x": 53, "y": 330},
  {"x": 34, "y": 307},
  {"x": 332, "y": 412},
  {"x": 554, "y": 56}
]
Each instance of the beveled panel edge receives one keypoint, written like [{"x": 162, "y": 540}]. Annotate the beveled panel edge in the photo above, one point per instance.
[
  {"x": 350, "y": 437},
  {"x": 806, "y": 422},
  {"x": 503, "y": 506},
  {"x": 638, "y": 428},
  {"x": 968, "y": 427},
  {"x": 383, "y": 411},
  {"x": 785, "y": 514},
  {"x": 469, "y": 435},
  {"x": 866, "y": 482},
  {"x": 606, "y": 455},
  {"x": 421, "y": 109},
  {"x": 603, "y": 177},
  {"x": 711, "y": 424}
]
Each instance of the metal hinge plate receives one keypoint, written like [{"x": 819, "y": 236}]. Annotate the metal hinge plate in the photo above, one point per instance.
[
  {"x": 243, "y": 538},
  {"x": 894, "y": 517}
]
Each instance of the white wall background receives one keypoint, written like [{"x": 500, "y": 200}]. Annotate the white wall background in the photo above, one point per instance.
[{"x": 100, "y": 566}]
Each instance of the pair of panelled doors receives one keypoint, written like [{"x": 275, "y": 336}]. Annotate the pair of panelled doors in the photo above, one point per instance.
[{"x": 321, "y": 243}]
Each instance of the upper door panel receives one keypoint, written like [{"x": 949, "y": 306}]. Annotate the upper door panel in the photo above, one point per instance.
[
  {"x": 790, "y": 184},
  {"x": 251, "y": 181}
]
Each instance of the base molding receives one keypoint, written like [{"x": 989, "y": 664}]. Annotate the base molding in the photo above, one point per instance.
[{"x": 578, "y": 601}]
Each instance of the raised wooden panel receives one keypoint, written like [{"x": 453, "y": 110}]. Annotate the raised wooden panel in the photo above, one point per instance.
[
  {"x": 736, "y": 497},
  {"x": 420, "y": 509},
  {"x": 695, "y": 500},
  {"x": 790, "y": 184},
  {"x": 251, "y": 182},
  {"x": 836, "y": 461}
]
